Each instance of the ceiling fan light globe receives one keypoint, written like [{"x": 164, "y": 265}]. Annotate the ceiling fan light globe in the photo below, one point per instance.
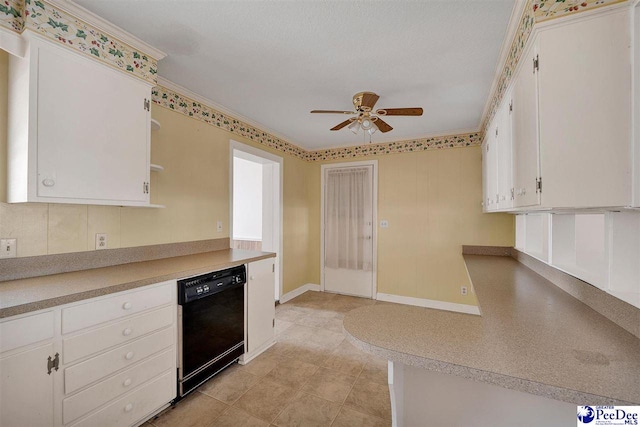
[
  {"x": 373, "y": 129},
  {"x": 366, "y": 124},
  {"x": 354, "y": 127}
]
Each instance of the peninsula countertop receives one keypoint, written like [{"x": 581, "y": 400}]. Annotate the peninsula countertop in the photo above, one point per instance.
[
  {"x": 37, "y": 293},
  {"x": 531, "y": 337}
]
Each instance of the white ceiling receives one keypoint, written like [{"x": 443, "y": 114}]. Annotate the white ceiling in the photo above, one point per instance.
[{"x": 274, "y": 61}]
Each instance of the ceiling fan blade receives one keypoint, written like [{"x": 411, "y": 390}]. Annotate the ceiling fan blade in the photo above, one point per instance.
[
  {"x": 400, "y": 112},
  {"x": 341, "y": 125},
  {"x": 333, "y": 112},
  {"x": 382, "y": 125},
  {"x": 369, "y": 100}
]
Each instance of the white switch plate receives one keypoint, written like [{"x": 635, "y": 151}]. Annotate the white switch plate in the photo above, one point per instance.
[
  {"x": 219, "y": 226},
  {"x": 8, "y": 248},
  {"x": 384, "y": 223},
  {"x": 101, "y": 241}
]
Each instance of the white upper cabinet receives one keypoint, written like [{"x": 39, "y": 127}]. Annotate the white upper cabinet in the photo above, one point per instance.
[
  {"x": 490, "y": 163},
  {"x": 584, "y": 96},
  {"x": 79, "y": 130},
  {"x": 525, "y": 132},
  {"x": 504, "y": 154}
]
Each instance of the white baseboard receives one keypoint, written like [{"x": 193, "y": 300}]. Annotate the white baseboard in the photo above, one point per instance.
[
  {"x": 430, "y": 303},
  {"x": 299, "y": 291}
]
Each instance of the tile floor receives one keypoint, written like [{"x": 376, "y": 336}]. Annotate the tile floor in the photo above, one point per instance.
[{"x": 311, "y": 377}]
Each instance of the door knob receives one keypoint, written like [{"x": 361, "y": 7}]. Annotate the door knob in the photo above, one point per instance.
[
  {"x": 129, "y": 355},
  {"x": 127, "y": 305},
  {"x": 48, "y": 182},
  {"x": 129, "y": 407},
  {"x": 127, "y": 382},
  {"x": 127, "y": 332}
]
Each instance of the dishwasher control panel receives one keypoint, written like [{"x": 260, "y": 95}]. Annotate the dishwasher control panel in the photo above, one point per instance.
[{"x": 207, "y": 284}]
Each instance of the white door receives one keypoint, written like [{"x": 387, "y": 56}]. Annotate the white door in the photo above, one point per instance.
[
  {"x": 261, "y": 305},
  {"x": 349, "y": 215},
  {"x": 26, "y": 390},
  {"x": 525, "y": 133}
]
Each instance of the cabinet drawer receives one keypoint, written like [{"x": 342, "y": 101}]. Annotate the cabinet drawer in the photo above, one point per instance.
[
  {"x": 117, "y": 306},
  {"x": 84, "y": 373},
  {"x": 26, "y": 330},
  {"x": 135, "y": 405},
  {"x": 103, "y": 338},
  {"x": 86, "y": 401}
]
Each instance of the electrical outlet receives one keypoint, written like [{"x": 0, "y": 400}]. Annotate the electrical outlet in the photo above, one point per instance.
[
  {"x": 219, "y": 226},
  {"x": 463, "y": 290},
  {"x": 101, "y": 241},
  {"x": 384, "y": 223},
  {"x": 8, "y": 248}
]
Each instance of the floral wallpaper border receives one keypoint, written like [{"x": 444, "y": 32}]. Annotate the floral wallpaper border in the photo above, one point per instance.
[
  {"x": 172, "y": 100},
  {"x": 50, "y": 22},
  {"x": 12, "y": 14},
  {"x": 549, "y": 9}
]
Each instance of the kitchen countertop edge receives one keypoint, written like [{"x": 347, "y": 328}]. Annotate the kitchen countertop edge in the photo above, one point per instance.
[{"x": 66, "y": 298}]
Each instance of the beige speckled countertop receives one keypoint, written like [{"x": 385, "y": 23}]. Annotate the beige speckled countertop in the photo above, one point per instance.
[
  {"x": 531, "y": 337},
  {"x": 25, "y": 295}
]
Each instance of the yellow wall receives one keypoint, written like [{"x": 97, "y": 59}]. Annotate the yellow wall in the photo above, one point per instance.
[
  {"x": 194, "y": 187},
  {"x": 432, "y": 202}
]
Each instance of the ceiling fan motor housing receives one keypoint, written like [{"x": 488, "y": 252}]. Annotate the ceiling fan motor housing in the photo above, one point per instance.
[{"x": 357, "y": 101}]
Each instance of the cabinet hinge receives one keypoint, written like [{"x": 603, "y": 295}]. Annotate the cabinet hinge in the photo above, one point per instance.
[
  {"x": 510, "y": 106},
  {"x": 536, "y": 64},
  {"x": 274, "y": 323},
  {"x": 496, "y": 131},
  {"x": 147, "y": 105},
  {"x": 539, "y": 185},
  {"x": 273, "y": 268},
  {"x": 512, "y": 194},
  {"x": 53, "y": 363},
  {"x": 145, "y": 188}
]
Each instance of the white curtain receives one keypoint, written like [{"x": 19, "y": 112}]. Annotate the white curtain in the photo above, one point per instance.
[{"x": 348, "y": 218}]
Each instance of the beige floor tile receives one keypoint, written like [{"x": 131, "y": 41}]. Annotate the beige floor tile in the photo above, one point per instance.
[
  {"x": 309, "y": 411},
  {"x": 292, "y": 373},
  {"x": 306, "y": 352},
  {"x": 265, "y": 400},
  {"x": 290, "y": 315},
  {"x": 329, "y": 384},
  {"x": 282, "y": 325},
  {"x": 346, "y": 359},
  {"x": 375, "y": 372},
  {"x": 196, "y": 410},
  {"x": 228, "y": 386},
  {"x": 349, "y": 418},
  {"x": 371, "y": 398},
  {"x": 262, "y": 364},
  {"x": 234, "y": 417}
]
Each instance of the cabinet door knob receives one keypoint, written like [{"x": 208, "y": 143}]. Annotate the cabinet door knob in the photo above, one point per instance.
[
  {"x": 127, "y": 305},
  {"x": 127, "y": 332},
  {"x": 48, "y": 182},
  {"x": 129, "y": 355},
  {"x": 129, "y": 407},
  {"x": 127, "y": 382},
  {"x": 251, "y": 277}
]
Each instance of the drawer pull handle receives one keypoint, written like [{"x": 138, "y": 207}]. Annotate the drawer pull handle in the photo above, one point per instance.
[
  {"x": 129, "y": 355},
  {"x": 127, "y": 332},
  {"x": 126, "y": 382},
  {"x": 129, "y": 407},
  {"x": 127, "y": 305}
]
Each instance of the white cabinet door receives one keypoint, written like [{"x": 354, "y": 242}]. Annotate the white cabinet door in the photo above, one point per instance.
[
  {"x": 79, "y": 130},
  {"x": 490, "y": 154},
  {"x": 584, "y": 97},
  {"x": 504, "y": 150},
  {"x": 260, "y": 306},
  {"x": 26, "y": 390},
  {"x": 525, "y": 133}
]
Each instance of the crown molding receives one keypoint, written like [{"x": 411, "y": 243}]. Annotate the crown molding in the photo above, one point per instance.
[
  {"x": 12, "y": 42},
  {"x": 102, "y": 24},
  {"x": 512, "y": 28},
  {"x": 206, "y": 101}
]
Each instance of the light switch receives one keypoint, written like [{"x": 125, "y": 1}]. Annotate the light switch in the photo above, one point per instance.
[
  {"x": 8, "y": 248},
  {"x": 384, "y": 224}
]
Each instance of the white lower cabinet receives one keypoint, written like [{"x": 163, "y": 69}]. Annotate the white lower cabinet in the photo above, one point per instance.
[
  {"x": 116, "y": 368},
  {"x": 260, "y": 308}
]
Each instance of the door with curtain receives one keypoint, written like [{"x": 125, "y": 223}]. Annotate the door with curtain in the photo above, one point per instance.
[{"x": 349, "y": 214}]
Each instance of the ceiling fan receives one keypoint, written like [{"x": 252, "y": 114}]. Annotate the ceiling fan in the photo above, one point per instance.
[{"x": 366, "y": 118}]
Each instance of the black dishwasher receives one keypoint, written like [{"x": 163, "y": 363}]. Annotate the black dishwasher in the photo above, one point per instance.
[{"x": 210, "y": 325}]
